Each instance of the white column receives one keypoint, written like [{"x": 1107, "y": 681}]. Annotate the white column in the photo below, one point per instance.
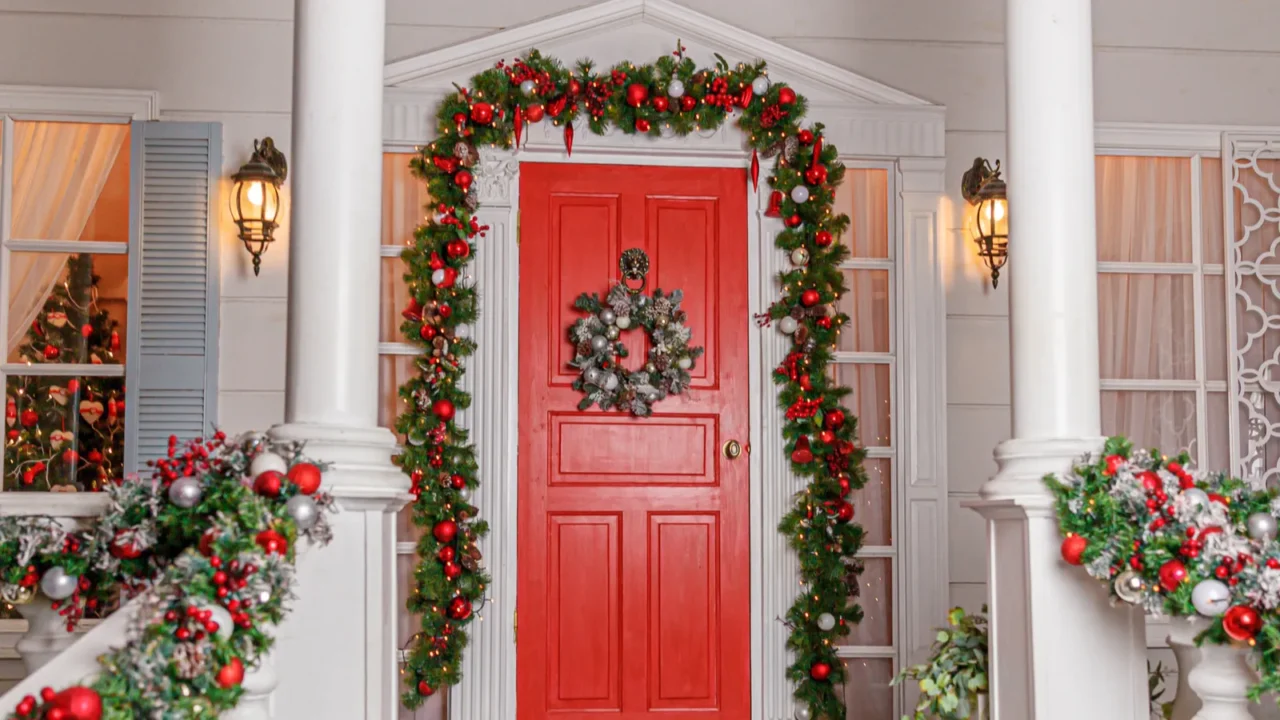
[
  {"x": 337, "y": 654},
  {"x": 1059, "y": 650}
]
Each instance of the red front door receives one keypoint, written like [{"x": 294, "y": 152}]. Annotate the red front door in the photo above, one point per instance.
[{"x": 634, "y": 561}]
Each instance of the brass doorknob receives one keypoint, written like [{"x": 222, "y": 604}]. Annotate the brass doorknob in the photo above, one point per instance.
[{"x": 732, "y": 449}]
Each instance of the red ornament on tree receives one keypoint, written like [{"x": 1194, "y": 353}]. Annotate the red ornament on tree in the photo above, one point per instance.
[
  {"x": 452, "y": 570},
  {"x": 688, "y": 102},
  {"x": 1241, "y": 623},
  {"x": 424, "y": 689},
  {"x": 458, "y": 482},
  {"x": 51, "y": 352},
  {"x": 755, "y": 170},
  {"x": 642, "y": 125},
  {"x": 820, "y": 671},
  {"x": 637, "y": 93},
  {"x": 272, "y": 542},
  {"x": 802, "y": 453},
  {"x": 482, "y": 112},
  {"x": 443, "y": 409},
  {"x": 794, "y": 221},
  {"x": 575, "y": 87},
  {"x": 123, "y": 548},
  {"x": 231, "y": 674},
  {"x": 306, "y": 476},
  {"x": 445, "y": 531},
  {"x": 834, "y": 419},
  {"x": 534, "y": 113},
  {"x": 207, "y": 540},
  {"x": 568, "y": 139},
  {"x": 459, "y": 119},
  {"x": 463, "y": 180},
  {"x": 460, "y": 608},
  {"x": 805, "y": 136},
  {"x": 786, "y": 96},
  {"x": 1073, "y": 547},
  {"x": 447, "y": 554},
  {"x": 661, "y": 104},
  {"x": 427, "y": 332},
  {"x": 1172, "y": 574},
  {"x": 76, "y": 703},
  {"x": 268, "y": 484},
  {"x": 827, "y": 437},
  {"x": 846, "y": 487},
  {"x": 845, "y": 513},
  {"x": 822, "y": 238},
  {"x": 458, "y": 248},
  {"x": 810, "y": 297},
  {"x": 1113, "y": 464}
]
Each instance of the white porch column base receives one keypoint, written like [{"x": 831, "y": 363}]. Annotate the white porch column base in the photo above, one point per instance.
[
  {"x": 1182, "y": 641},
  {"x": 46, "y": 636},
  {"x": 259, "y": 684},
  {"x": 1059, "y": 650},
  {"x": 337, "y": 653}
]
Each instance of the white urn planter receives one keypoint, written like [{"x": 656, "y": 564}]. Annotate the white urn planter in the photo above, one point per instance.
[
  {"x": 46, "y": 636},
  {"x": 1213, "y": 680}
]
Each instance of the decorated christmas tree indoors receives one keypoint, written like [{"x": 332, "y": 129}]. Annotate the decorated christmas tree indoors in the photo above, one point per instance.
[{"x": 66, "y": 433}]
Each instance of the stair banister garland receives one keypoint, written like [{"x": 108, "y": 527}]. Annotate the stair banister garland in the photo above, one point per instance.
[
  {"x": 206, "y": 545},
  {"x": 1179, "y": 542},
  {"x": 669, "y": 95}
]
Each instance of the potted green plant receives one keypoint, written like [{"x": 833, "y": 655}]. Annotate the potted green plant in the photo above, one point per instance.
[{"x": 953, "y": 681}]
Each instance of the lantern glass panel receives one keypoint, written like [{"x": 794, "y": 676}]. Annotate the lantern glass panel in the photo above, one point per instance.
[{"x": 993, "y": 218}]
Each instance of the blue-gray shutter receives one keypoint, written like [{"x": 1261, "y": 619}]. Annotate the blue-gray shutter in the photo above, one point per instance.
[{"x": 172, "y": 356}]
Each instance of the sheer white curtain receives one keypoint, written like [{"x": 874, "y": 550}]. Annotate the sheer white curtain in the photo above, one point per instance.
[{"x": 59, "y": 170}]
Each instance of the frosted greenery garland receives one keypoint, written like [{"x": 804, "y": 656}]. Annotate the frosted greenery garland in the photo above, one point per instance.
[{"x": 671, "y": 95}]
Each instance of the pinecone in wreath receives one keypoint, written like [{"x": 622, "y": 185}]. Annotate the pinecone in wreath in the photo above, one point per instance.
[
  {"x": 189, "y": 661},
  {"x": 662, "y": 307},
  {"x": 471, "y": 558},
  {"x": 662, "y": 362},
  {"x": 583, "y": 349},
  {"x": 422, "y": 399},
  {"x": 466, "y": 153}
]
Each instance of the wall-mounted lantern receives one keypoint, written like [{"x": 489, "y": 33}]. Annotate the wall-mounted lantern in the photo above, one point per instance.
[
  {"x": 255, "y": 198},
  {"x": 983, "y": 188}
]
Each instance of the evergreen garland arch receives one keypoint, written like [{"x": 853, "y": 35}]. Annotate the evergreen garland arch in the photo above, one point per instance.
[{"x": 669, "y": 95}]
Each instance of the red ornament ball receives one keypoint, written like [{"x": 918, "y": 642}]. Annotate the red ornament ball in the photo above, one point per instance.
[
  {"x": 1172, "y": 574},
  {"x": 637, "y": 94},
  {"x": 1113, "y": 464},
  {"x": 482, "y": 112},
  {"x": 794, "y": 221},
  {"x": 688, "y": 102},
  {"x": 810, "y": 297},
  {"x": 424, "y": 689},
  {"x": 124, "y": 549},
  {"x": 1073, "y": 547},
  {"x": 834, "y": 419},
  {"x": 816, "y": 175},
  {"x": 268, "y": 484},
  {"x": 827, "y": 437},
  {"x": 306, "y": 476},
  {"x": 427, "y": 332},
  {"x": 460, "y": 608},
  {"x": 661, "y": 104},
  {"x": 29, "y": 417},
  {"x": 575, "y": 87},
  {"x": 805, "y": 137},
  {"x": 445, "y": 531},
  {"x": 51, "y": 352},
  {"x": 642, "y": 125},
  {"x": 272, "y": 542},
  {"x": 535, "y": 112},
  {"x": 786, "y": 95},
  {"x": 459, "y": 118},
  {"x": 820, "y": 671},
  {"x": 1150, "y": 481},
  {"x": 1241, "y": 622},
  {"x": 822, "y": 238},
  {"x": 86, "y": 330},
  {"x": 458, "y": 248},
  {"x": 445, "y": 311},
  {"x": 231, "y": 674},
  {"x": 452, "y": 570},
  {"x": 463, "y": 179},
  {"x": 846, "y": 487},
  {"x": 443, "y": 409},
  {"x": 845, "y": 513},
  {"x": 458, "y": 482},
  {"x": 207, "y": 540},
  {"x": 447, "y": 554},
  {"x": 77, "y": 703}
]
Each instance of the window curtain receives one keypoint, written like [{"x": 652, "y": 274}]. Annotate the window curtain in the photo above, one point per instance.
[
  {"x": 1146, "y": 329},
  {"x": 59, "y": 170}
]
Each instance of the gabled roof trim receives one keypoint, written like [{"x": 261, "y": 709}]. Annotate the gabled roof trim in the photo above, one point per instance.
[{"x": 683, "y": 22}]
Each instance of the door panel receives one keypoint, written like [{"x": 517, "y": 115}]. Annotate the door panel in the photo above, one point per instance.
[{"x": 634, "y": 557}]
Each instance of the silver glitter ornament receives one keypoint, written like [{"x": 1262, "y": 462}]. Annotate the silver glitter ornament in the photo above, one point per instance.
[
  {"x": 684, "y": 363},
  {"x": 185, "y": 492},
  {"x": 802, "y": 711},
  {"x": 607, "y": 316},
  {"x": 623, "y": 322},
  {"x": 1129, "y": 587},
  {"x": 1262, "y": 526},
  {"x": 675, "y": 88},
  {"x": 267, "y": 461},
  {"x": 788, "y": 325},
  {"x": 599, "y": 343},
  {"x": 56, "y": 584},
  {"x": 219, "y": 614},
  {"x": 465, "y": 494},
  {"x": 592, "y": 375},
  {"x": 800, "y": 257},
  {"x": 760, "y": 85},
  {"x": 303, "y": 510},
  {"x": 826, "y": 621},
  {"x": 610, "y": 382},
  {"x": 612, "y": 332},
  {"x": 528, "y": 86},
  {"x": 1196, "y": 497},
  {"x": 416, "y": 438},
  {"x": 1210, "y": 597},
  {"x": 650, "y": 368},
  {"x": 799, "y": 194}
]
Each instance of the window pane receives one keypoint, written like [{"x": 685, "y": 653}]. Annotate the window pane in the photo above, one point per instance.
[
  {"x": 1218, "y": 455},
  {"x": 404, "y": 199},
  {"x": 867, "y": 305},
  {"x": 1211, "y": 210},
  {"x": 876, "y": 598},
  {"x": 1146, "y": 326},
  {"x": 867, "y": 694},
  {"x": 864, "y": 197},
  {"x": 873, "y": 504},
  {"x": 70, "y": 181},
  {"x": 393, "y": 371},
  {"x": 870, "y": 401},
  {"x": 1164, "y": 420},
  {"x": 63, "y": 433},
  {"x": 1144, "y": 209},
  {"x": 68, "y": 308},
  {"x": 1216, "y": 352},
  {"x": 395, "y": 298}
]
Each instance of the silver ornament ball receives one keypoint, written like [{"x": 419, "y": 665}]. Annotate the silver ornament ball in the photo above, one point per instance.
[
  {"x": 610, "y": 382},
  {"x": 528, "y": 86},
  {"x": 800, "y": 257},
  {"x": 417, "y": 439},
  {"x": 303, "y": 510},
  {"x": 760, "y": 85},
  {"x": 1262, "y": 526},
  {"x": 1129, "y": 587},
  {"x": 661, "y": 321},
  {"x": 437, "y": 276},
  {"x": 802, "y": 711},
  {"x": 220, "y": 615},
  {"x": 650, "y": 368},
  {"x": 265, "y": 461},
  {"x": 799, "y": 194},
  {"x": 592, "y": 375},
  {"x": 675, "y": 88},
  {"x": 56, "y": 584},
  {"x": 1211, "y": 598},
  {"x": 1196, "y": 497},
  {"x": 465, "y": 494},
  {"x": 185, "y": 492},
  {"x": 826, "y": 621},
  {"x": 623, "y": 322},
  {"x": 612, "y": 332},
  {"x": 684, "y": 363},
  {"x": 599, "y": 343},
  {"x": 788, "y": 325},
  {"x": 607, "y": 316}
]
